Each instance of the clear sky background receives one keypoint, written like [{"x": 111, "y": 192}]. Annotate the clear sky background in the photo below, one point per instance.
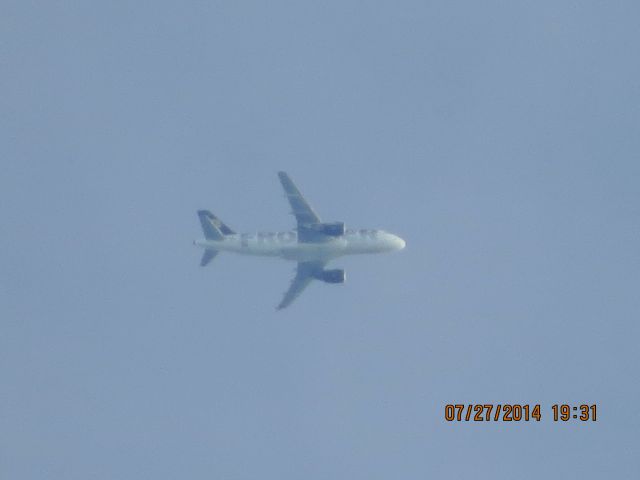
[{"x": 501, "y": 139}]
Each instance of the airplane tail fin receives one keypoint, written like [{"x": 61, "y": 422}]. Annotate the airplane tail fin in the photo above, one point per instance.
[
  {"x": 212, "y": 227},
  {"x": 223, "y": 227}
]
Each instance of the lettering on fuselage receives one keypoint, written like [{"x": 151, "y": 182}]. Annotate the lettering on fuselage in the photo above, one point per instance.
[
  {"x": 289, "y": 237},
  {"x": 244, "y": 239},
  {"x": 286, "y": 237},
  {"x": 372, "y": 234},
  {"x": 266, "y": 237}
]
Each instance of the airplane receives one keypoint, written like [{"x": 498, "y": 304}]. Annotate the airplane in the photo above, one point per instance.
[{"x": 312, "y": 244}]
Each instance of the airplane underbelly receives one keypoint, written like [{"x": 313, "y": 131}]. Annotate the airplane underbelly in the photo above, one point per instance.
[{"x": 305, "y": 252}]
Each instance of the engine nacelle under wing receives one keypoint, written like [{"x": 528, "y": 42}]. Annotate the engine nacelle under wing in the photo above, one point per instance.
[{"x": 331, "y": 276}]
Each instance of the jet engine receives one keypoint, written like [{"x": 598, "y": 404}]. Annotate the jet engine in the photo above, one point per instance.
[
  {"x": 333, "y": 229},
  {"x": 332, "y": 276}
]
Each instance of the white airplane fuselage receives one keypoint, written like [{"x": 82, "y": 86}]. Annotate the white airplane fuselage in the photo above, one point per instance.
[{"x": 286, "y": 245}]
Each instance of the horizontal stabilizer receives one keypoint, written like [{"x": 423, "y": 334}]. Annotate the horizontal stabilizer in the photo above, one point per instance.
[{"x": 207, "y": 256}]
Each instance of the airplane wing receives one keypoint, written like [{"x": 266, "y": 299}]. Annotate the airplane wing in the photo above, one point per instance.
[
  {"x": 304, "y": 274},
  {"x": 299, "y": 207}
]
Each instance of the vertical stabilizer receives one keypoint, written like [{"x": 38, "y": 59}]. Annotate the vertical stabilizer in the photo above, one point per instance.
[{"x": 209, "y": 227}]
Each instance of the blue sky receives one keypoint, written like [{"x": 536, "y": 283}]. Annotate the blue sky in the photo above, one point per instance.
[{"x": 500, "y": 139}]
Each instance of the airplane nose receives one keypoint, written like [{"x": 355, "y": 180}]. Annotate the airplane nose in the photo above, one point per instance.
[{"x": 396, "y": 243}]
